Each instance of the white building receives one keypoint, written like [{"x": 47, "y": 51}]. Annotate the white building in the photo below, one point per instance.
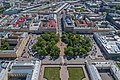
[
  {"x": 103, "y": 65},
  {"x": 24, "y": 70}
]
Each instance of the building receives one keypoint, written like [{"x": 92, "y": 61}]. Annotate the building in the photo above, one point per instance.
[
  {"x": 22, "y": 70},
  {"x": 109, "y": 43},
  {"x": 93, "y": 6},
  {"x": 4, "y": 70},
  {"x": 43, "y": 23},
  {"x": 16, "y": 42},
  {"x": 68, "y": 24},
  {"x": 114, "y": 18},
  {"x": 103, "y": 70},
  {"x": 95, "y": 17},
  {"x": 79, "y": 23},
  {"x": 94, "y": 74}
]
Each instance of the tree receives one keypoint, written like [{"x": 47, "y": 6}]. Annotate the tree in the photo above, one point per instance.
[
  {"x": 77, "y": 45},
  {"x": 46, "y": 45},
  {"x": 4, "y": 45},
  {"x": 69, "y": 51},
  {"x": 40, "y": 38},
  {"x": 64, "y": 36},
  {"x": 55, "y": 51},
  {"x": 42, "y": 52},
  {"x": 46, "y": 36},
  {"x": 83, "y": 51},
  {"x": 42, "y": 43}
]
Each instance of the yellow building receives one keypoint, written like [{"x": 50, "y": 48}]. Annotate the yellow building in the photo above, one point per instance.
[{"x": 20, "y": 39}]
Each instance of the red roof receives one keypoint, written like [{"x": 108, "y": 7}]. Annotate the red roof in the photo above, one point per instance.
[
  {"x": 15, "y": 25},
  {"x": 52, "y": 23},
  {"x": 83, "y": 25},
  {"x": 21, "y": 19}
]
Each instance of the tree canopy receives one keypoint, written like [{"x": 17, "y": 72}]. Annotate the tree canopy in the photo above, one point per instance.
[
  {"x": 76, "y": 45},
  {"x": 4, "y": 45},
  {"x": 117, "y": 7},
  {"x": 46, "y": 45}
]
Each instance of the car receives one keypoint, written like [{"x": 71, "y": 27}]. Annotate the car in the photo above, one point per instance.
[
  {"x": 24, "y": 56},
  {"x": 34, "y": 53}
]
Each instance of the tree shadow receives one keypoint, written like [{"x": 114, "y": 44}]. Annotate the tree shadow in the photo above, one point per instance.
[
  {"x": 68, "y": 57},
  {"x": 53, "y": 58},
  {"x": 42, "y": 57}
]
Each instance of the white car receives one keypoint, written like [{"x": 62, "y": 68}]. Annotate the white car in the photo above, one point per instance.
[{"x": 34, "y": 53}]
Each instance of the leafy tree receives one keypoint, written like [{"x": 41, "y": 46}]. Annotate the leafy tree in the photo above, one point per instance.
[
  {"x": 77, "y": 45},
  {"x": 46, "y": 45},
  {"x": 55, "y": 51},
  {"x": 69, "y": 51},
  {"x": 83, "y": 51},
  {"x": 4, "y": 45}
]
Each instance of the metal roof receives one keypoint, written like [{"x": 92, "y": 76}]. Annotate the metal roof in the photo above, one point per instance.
[{"x": 94, "y": 74}]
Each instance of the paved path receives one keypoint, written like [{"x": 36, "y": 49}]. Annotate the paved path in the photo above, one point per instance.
[
  {"x": 61, "y": 45},
  {"x": 64, "y": 75}
]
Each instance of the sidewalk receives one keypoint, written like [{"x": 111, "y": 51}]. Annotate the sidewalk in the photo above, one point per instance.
[
  {"x": 64, "y": 75},
  {"x": 61, "y": 45}
]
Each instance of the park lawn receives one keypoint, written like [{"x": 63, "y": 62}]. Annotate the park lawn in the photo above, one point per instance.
[
  {"x": 76, "y": 73},
  {"x": 52, "y": 73},
  {"x": 118, "y": 65}
]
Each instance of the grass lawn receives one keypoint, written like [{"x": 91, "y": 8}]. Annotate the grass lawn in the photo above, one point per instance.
[
  {"x": 118, "y": 64},
  {"x": 75, "y": 73},
  {"x": 52, "y": 73}
]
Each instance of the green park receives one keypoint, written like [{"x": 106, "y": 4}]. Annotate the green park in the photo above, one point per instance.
[
  {"x": 52, "y": 73},
  {"x": 76, "y": 73}
]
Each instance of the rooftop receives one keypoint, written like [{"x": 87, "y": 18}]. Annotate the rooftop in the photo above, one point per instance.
[
  {"x": 104, "y": 24},
  {"x": 3, "y": 68},
  {"x": 92, "y": 66},
  {"x": 114, "y": 14},
  {"x": 110, "y": 41},
  {"x": 29, "y": 69},
  {"x": 94, "y": 72}
]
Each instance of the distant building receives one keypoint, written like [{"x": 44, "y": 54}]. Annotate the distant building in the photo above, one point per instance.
[
  {"x": 114, "y": 18},
  {"x": 20, "y": 70},
  {"x": 100, "y": 70},
  {"x": 4, "y": 70},
  {"x": 43, "y": 23},
  {"x": 24, "y": 70},
  {"x": 79, "y": 23},
  {"x": 17, "y": 42},
  {"x": 109, "y": 43}
]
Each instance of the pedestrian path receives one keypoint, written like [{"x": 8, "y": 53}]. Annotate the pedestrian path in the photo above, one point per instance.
[
  {"x": 61, "y": 45},
  {"x": 64, "y": 75}
]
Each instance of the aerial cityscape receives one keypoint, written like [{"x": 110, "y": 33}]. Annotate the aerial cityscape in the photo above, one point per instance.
[{"x": 59, "y": 39}]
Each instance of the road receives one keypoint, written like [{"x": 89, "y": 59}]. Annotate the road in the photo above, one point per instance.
[{"x": 28, "y": 49}]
